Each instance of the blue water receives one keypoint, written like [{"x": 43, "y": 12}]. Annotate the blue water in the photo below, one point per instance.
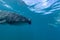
[{"x": 43, "y": 19}]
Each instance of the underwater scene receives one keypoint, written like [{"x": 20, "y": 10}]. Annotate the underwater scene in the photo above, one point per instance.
[{"x": 29, "y": 19}]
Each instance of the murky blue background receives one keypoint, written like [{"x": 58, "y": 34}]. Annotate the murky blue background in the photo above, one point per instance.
[{"x": 42, "y": 27}]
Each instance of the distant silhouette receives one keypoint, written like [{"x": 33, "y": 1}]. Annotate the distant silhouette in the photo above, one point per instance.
[{"x": 11, "y": 18}]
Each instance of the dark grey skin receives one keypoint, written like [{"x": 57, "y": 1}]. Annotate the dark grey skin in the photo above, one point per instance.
[{"x": 12, "y": 18}]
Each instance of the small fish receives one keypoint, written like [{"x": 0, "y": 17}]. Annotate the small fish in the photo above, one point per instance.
[{"x": 12, "y": 17}]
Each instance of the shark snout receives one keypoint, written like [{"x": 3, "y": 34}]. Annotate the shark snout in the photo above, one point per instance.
[
  {"x": 29, "y": 21},
  {"x": 26, "y": 20}
]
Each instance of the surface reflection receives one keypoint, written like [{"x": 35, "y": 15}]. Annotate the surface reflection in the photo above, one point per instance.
[{"x": 40, "y": 6}]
